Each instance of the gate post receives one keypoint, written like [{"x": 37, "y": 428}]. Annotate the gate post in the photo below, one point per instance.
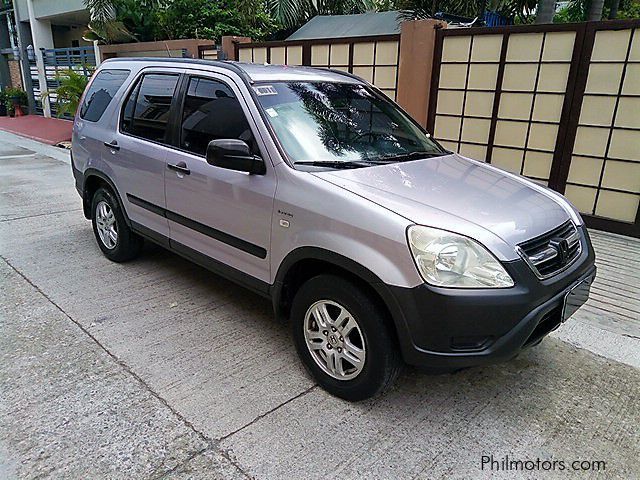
[
  {"x": 97, "y": 53},
  {"x": 42, "y": 38},
  {"x": 415, "y": 65},
  {"x": 229, "y": 46}
]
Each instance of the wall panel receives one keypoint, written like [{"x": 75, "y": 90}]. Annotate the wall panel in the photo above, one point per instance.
[
  {"x": 562, "y": 105},
  {"x": 375, "y": 59},
  {"x": 608, "y": 131}
]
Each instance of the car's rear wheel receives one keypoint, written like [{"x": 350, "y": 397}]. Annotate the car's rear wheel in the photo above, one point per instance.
[
  {"x": 116, "y": 240},
  {"x": 342, "y": 338}
]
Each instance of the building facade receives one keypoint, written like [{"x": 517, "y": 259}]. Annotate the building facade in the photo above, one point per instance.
[{"x": 26, "y": 27}]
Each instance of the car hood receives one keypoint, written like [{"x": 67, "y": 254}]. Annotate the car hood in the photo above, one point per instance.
[{"x": 461, "y": 195}]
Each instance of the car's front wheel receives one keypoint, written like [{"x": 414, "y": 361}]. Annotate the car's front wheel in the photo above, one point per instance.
[
  {"x": 342, "y": 338},
  {"x": 116, "y": 240}
]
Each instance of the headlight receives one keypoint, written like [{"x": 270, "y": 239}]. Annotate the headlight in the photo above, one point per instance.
[{"x": 445, "y": 259}]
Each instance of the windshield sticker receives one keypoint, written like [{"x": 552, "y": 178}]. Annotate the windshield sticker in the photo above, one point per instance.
[
  {"x": 265, "y": 90},
  {"x": 271, "y": 112}
]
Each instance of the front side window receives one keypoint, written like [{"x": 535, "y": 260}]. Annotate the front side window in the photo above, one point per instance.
[
  {"x": 146, "y": 111},
  {"x": 101, "y": 92},
  {"x": 211, "y": 111},
  {"x": 341, "y": 124}
]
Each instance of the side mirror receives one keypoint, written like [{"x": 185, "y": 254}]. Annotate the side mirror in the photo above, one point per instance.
[{"x": 234, "y": 155}]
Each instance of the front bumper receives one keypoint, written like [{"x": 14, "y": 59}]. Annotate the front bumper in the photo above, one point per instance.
[{"x": 448, "y": 329}]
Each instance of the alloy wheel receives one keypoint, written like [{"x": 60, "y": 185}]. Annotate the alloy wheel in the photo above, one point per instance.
[
  {"x": 334, "y": 340},
  {"x": 106, "y": 225}
]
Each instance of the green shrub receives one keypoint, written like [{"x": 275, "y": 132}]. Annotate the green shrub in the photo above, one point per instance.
[{"x": 72, "y": 85}]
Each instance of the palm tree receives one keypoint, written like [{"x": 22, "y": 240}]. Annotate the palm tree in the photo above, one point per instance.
[
  {"x": 104, "y": 24},
  {"x": 546, "y": 11},
  {"x": 613, "y": 13},
  {"x": 595, "y": 10},
  {"x": 101, "y": 11},
  {"x": 292, "y": 13}
]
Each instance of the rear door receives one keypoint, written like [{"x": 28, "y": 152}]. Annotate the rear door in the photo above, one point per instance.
[
  {"x": 138, "y": 150},
  {"x": 222, "y": 214}
]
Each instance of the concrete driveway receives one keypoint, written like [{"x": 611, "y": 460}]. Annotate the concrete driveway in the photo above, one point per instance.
[{"x": 159, "y": 369}]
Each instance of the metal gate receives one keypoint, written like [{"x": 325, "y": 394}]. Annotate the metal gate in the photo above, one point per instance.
[
  {"x": 56, "y": 62},
  {"x": 559, "y": 104}
]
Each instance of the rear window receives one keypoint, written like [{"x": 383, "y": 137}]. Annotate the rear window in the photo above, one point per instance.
[{"x": 101, "y": 92}]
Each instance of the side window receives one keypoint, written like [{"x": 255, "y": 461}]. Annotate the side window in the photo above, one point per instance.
[
  {"x": 212, "y": 111},
  {"x": 146, "y": 111},
  {"x": 101, "y": 92}
]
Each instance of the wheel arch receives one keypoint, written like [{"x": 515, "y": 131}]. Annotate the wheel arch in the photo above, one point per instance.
[
  {"x": 93, "y": 180},
  {"x": 304, "y": 263}
]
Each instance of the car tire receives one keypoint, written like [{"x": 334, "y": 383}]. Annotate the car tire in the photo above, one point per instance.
[
  {"x": 116, "y": 240},
  {"x": 329, "y": 305}
]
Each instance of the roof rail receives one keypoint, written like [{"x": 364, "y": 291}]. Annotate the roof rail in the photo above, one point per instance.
[
  {"x": 233, "y": 65},
  {"x": 346, "y": 74},
  {"x": 227, "y": 64}
]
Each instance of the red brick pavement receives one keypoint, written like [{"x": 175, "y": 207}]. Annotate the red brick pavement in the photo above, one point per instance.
[{"x": 45, "y": 130}]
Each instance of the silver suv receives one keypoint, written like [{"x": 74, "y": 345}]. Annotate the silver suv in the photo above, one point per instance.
[{"x": 312, "y": 188}]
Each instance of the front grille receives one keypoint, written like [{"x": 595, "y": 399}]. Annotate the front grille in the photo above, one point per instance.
[{"x": 552, "y": 252}]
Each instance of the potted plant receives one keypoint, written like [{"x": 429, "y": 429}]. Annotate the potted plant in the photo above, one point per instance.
[
  {"x": 16, "y": 98},
  {"x": 3, "y": 105}
]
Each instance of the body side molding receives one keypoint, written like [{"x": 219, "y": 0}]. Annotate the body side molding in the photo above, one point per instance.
[{"x": 239, "y": 243}]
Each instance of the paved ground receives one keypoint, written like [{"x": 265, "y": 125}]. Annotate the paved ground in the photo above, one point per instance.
[
  {"x": 47, "y": 130},
  {"x": 159, "y": 369}
]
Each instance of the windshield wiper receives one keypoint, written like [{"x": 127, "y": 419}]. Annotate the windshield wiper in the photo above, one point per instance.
[
  {"x": 366, "y": 162},
  {"x": 405, "y": 157},
  {"x": 335, "y": 163}
]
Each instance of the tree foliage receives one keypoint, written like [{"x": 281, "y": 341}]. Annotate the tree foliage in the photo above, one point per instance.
[
  {"x": 212, "y": 19},
  {"x": 578, "y": 10},
  {"x": 102, "y": 11},
  {"x": 293, "y": 13},
  {"x": 140, "y": 18},
  {"x": 115, "y": 21},
  {"x": 520, "y": 10}
]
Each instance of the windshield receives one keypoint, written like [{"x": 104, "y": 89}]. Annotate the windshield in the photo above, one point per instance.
[{"x": 340, "y": 124}]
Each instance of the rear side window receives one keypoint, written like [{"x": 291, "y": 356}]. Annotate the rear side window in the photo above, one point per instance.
[
  {"x": 101, "y": 92},
  {"x": 146, "y": 111},
  {"x": 211, "y": 111}
]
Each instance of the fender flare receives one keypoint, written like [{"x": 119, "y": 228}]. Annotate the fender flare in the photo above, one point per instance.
[
  {"x": 86, "y": 202},
  {"x": 318, "y": 253},
  {"x": 350, "y": 265}
]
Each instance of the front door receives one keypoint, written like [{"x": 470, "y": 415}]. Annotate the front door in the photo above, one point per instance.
[{"x": 222, "y": 214}]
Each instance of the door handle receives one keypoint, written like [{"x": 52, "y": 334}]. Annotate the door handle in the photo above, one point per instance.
[
  {"x": 179, "y": 167},
  {"x": 113, "y": 145}
]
